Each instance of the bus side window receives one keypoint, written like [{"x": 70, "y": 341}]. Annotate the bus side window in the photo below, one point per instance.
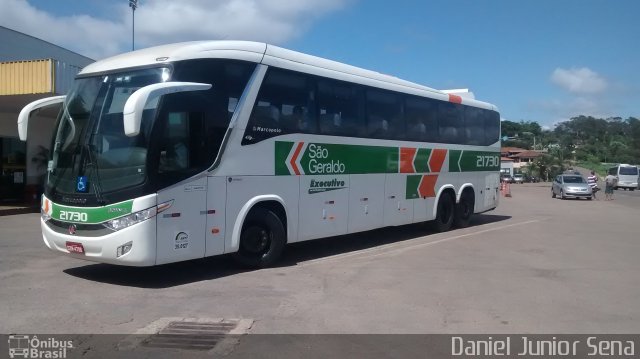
[
  {"x": 183, "y": 147},
  {"x": 282, "y": 107},
  {"x": 340, "y": 108},
  {"x": 491, "y": 127},
  {"x": 474, "y": 126},
  {"x": 174, "y": 155},
  {"x": 384, "y": 115},
  {"x": 451, "y": 122},
  {"x": 421, "y": 118}
]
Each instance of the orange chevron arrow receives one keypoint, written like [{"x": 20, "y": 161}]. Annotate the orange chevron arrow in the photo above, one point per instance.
[
  {"x": 294, "y": 158},
  {"x": 437, "y": 159},
  {"x": 427, "y": 186},
  {"x": 406, "y": 159}
]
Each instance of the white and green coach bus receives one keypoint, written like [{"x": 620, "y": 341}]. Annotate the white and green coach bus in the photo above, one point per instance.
[{"x": 197, "y": 149}]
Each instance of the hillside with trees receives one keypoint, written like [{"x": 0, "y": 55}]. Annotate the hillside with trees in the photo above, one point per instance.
[{"x": 584, "y": 141}]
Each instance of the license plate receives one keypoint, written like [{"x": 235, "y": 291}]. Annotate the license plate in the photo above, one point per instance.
[{"x": 74, "y": 247}]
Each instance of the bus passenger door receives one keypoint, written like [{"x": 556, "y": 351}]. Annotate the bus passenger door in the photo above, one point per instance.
[
  {"x": 182, "y": 153},
  {"x": 180, "y": 228}
]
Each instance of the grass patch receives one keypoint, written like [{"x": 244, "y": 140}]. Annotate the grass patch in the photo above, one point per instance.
[{"x": 600, "y": 168}]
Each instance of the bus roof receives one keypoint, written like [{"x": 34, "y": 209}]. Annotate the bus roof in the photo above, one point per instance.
[{"x": 273, "y": 56}]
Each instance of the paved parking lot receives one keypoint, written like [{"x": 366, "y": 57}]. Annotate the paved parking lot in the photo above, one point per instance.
[{"x": 534, "y": 265}]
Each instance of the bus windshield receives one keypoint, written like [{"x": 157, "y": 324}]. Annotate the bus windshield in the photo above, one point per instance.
[
  {"x": 93, "y": 162},
  {"x": 91, "y": 153}
]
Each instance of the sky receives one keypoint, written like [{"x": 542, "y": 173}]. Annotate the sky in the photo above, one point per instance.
[{"x": 536, "y": 60}]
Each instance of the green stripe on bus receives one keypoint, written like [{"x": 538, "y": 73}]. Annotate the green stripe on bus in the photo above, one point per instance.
[
  {"x": 349, "y": 159},
  {"x": 321, "y": 158},
  {"x": 329, "y": 159},
  {"x": 421, "y": 163},
  {"x": 282, "y": 151},
  {"x": 454, "y": 157},
  {"x": 90, "y": 215},
  {"x": 413, "y": 182},
  {"x": 473, "y": 161}
]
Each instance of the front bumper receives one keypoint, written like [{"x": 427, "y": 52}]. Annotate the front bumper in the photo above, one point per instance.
[
  {"x": 632, "y": 185},
  {"x": 103, "y": 248},
  {"x": 578, "y": 194}
]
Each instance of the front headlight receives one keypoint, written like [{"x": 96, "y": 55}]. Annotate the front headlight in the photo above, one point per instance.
[
  {"x": 45, "y": 209},
  {"x": 137, "y": 217},
  {"x": 131, "y": 219}
]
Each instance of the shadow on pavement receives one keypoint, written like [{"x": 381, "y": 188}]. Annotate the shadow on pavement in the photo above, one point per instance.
[
  {"x": 11, "y": 211},
  {"x": 174, "y": 274}
]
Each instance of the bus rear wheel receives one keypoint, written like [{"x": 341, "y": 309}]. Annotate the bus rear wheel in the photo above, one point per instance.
[
  {"x": 445, "y": 213},
  {"x": 262, "y": 239},
  {"x": 464, "y": 210}
]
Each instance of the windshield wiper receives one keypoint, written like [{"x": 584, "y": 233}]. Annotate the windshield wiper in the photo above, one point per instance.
[
  {"x": 97, "y": 185},
  {"x": 57, "y": 147}
]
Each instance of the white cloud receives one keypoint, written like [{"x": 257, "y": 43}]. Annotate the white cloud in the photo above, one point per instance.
[
  {"x": 579, "y": 80},
  {"x": 166, "y": 21},
  {"x": 87, "y": 35},
  {"x": 566, "y": 108}
]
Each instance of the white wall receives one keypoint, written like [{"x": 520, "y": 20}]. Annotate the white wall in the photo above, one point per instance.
[{"x": 507, "y": 165}]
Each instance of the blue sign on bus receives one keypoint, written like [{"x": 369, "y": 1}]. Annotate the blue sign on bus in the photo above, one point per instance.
[{"x": 81, "y": 184}]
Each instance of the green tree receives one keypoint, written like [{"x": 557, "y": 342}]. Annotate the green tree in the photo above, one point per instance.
[{"x": 548, "y": 166}]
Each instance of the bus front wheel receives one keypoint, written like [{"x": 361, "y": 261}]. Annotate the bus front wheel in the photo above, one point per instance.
[
  {"x": 445, "y": 213},
  {"x": 262, "y": 239}
]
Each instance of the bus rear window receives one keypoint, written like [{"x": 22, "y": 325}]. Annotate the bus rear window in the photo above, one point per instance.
[{"x": 629, "y": 171}]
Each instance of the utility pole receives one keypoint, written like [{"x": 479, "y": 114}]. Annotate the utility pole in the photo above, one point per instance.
[
  {"x": 133, "y": 4},
  {"x": 534, "y": 138}
]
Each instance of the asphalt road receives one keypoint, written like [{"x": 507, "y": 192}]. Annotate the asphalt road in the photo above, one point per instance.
[
  {"x": 626, "y": 198},
  {"x": 534, "y": 265}
]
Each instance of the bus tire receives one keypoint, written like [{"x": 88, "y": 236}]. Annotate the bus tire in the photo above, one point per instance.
[
  {"x": 444, "y": 213},
  {"x": 464, "y": 210},
  {"x": 262, "y": 239}
]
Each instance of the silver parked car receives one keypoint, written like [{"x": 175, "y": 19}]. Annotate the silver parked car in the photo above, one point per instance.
[
  {"x": 518, "y": 178},
  {"x": 571, "y": 186}
]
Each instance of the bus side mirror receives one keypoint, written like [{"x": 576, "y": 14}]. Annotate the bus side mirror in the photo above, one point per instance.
[
  {"x": 132, "y": 114},
  {"x": 23, "y": 117}
]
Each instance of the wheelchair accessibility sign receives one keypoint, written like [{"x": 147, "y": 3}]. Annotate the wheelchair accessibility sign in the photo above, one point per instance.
[{"x": 81, "y": 184}]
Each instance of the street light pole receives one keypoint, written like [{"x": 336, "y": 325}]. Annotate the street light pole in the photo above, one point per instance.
[{"x": 133, "y": 4}]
